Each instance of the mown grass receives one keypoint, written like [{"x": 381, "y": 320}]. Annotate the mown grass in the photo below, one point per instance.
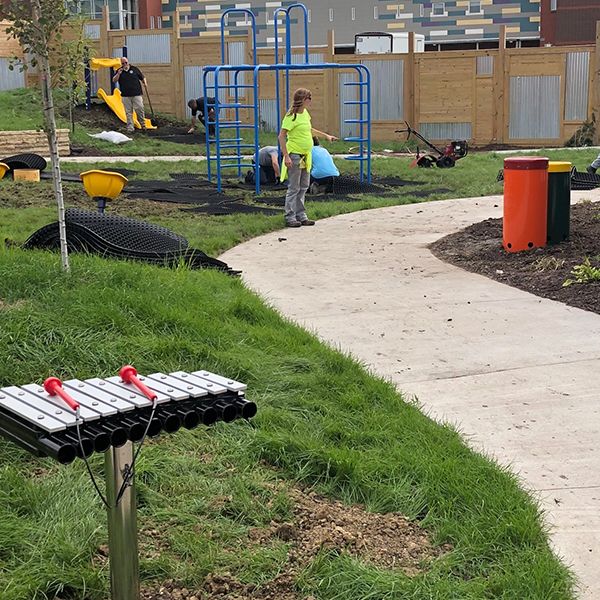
[{"x": 323, "y": 422}]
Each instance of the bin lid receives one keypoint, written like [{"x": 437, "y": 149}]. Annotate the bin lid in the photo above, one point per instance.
[
  {"x": 558, "y": 166},
  {"x": 526, "y": 163}
]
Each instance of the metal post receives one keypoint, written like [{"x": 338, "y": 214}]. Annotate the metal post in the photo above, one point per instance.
[{"x": 122, "y": 525}]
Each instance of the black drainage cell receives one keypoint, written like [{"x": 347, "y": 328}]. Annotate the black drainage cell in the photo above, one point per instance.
[
  {"x": 121, "y": 237},
  {"x": 25, "y": 161}
]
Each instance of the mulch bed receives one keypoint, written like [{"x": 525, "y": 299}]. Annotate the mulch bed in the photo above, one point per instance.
[{"x": 541, "y": 271}]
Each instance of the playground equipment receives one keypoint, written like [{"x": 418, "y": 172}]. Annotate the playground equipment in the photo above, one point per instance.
[
  {"x": 103, "y": 186},
  {"x": 444, "y": 159},
  {"x": 114, "y": 101},
  {"x": 226, "y": 83},
  {"x": 73, "y": 418}
]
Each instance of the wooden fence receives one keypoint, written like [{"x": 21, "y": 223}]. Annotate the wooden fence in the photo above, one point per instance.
[{"x": 527, "y": 96}]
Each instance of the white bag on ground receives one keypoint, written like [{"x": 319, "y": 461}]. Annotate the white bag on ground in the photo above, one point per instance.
[{"x": 111, "y": 136}]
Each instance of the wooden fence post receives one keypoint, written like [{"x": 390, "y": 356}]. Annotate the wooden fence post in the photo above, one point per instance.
[
  {"x": 409, "y": 81},
  {"x": 103, "y": 74},
  {"x": 330, "y": 77},
  {"x": 501, "y": 90},
  {"x": 177, "y": 63},
  {"x": 596, "y": 85}
]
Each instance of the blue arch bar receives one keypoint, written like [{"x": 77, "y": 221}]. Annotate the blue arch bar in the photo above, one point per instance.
[{"x": 223, "y": 84}]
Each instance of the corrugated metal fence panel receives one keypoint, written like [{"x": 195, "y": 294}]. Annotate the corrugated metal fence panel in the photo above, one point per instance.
[
  {"x": 147, "y": 49},
  {"x": 11, "y": 80},
  {"x": 445, "y": 131},
  {"x": 577, "y": 86},
  {"x": 387, "y": 89},
  {"x": 193, "y": 85},
  {"x": 534, "y": 107},
  {"x": 94, "y": 82},
  {"x": 485, "y": 65},
  {"x": 348, "y": 111},
  {"x": 91, "y": 31},
  {"x": 236, "y": 52},
  {"x": 268, "y": 115},
  {"x": 314, "y": 58}
]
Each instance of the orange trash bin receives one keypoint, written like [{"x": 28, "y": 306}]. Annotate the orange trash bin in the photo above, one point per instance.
[{"x": 525, "y": 203}]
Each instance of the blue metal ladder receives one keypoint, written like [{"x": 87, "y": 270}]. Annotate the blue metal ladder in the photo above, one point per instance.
[
  {"x": 237, "y": 91},
  {"x": 215, "y": 88}
]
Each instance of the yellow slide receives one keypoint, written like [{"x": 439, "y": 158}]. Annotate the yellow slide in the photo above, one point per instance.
[{"x": 115, "y": 103}]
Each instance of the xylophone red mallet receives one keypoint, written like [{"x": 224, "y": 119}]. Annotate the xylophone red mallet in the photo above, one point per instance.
[
  {"x": 53, "y": 385},
  {"x": 129, "y": 375}
]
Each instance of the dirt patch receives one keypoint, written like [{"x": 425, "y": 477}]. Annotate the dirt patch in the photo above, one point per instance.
[
  {"x": 101, "y": 118},
  {"x": 388, "y": 541},
  {"x": 542, "y": 271}
]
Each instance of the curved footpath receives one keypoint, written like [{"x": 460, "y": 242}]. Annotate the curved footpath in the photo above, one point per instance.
[{"x": 516, "y": 373}]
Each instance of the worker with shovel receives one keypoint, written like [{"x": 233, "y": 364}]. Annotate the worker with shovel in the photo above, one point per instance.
[{"x": 130, "y": 81}]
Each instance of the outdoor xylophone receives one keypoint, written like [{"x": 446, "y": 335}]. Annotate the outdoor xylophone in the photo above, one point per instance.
[
  {"x": 114, "y": 410},
  {"x": 73, "y": 418}
]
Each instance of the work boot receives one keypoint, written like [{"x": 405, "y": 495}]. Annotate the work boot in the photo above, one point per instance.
[
  {"x": 591, "y": 170},
  {"x": 307, "y": 222},
  {"x": 293, "y": 223}
]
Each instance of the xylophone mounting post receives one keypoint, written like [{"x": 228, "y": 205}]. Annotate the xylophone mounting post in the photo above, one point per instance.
[{"x": 122, "y": 524}]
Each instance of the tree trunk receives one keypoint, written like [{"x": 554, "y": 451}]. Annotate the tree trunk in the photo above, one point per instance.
[{"x": 50, "y": 126}]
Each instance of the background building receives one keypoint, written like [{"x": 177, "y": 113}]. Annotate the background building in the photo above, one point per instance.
[
  {"x": 566, "y": 22},
  {"x": 449, "y": 24}
]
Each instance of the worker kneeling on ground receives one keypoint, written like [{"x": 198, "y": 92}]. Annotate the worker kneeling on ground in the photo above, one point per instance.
[
  {"x": 268, "y": 159},
  {"x": 323, "y": 171},
  {"x": 197, "y": 107}
]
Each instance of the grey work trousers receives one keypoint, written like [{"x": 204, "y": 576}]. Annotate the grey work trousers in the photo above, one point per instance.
[
  {"x": 136, "y": 103},
  {"x": 298, "y": 182}
]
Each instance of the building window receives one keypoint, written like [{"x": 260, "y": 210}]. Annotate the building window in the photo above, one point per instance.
[
  {"x": 553, "y": 5},
  {"x": 375, "y": 13},
  {"x": 353, "y": 13},
  {"x": 474, "y": 7},
  {"x": 421, "y": 10},
  {"x": 331, "y": 15},
  {"x": 438, "y": 9},
  {"x": 152, "y": 24},
  {"x": 398, "y": 9},
  {"x": 309, "y": 15}
]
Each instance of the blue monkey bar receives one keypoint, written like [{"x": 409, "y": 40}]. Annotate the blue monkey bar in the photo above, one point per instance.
[{"x": 222, "y": 87}]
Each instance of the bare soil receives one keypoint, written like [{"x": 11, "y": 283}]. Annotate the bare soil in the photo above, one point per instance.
[
  {"x": 541, "y": 271},
  {"x": 387, "y": 541}
]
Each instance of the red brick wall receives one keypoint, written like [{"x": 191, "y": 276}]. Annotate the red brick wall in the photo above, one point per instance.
[{"x": 574, "y": 22}]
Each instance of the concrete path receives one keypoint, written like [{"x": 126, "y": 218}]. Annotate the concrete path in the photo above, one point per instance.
[{"x": 517, "y": 373}]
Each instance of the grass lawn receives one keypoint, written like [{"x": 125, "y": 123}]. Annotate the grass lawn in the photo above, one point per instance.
[{"x": 324, "y": 424}]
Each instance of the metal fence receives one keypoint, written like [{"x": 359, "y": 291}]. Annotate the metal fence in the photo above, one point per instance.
[
  {"x": 387, "y": 97},
  {"x": 577, "y": 86},
  {"x": 534, "y": 107},
  {"x": 147, "y": 49}
]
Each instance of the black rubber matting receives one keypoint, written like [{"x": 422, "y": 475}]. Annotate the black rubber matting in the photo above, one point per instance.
[
  {"x": 584, "y": 181},
  {"x": 121, "y": 237},
  {"x": 25, "y": 161}
]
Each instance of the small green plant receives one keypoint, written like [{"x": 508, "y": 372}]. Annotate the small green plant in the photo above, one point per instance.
[{"x": 584, "y": 273}]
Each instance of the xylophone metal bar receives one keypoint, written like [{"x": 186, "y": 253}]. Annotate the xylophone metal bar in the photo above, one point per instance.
[{"x": 112, "y": 415}]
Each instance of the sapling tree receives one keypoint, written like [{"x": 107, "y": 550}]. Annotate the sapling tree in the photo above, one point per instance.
[{"x": 39, "y": 26}]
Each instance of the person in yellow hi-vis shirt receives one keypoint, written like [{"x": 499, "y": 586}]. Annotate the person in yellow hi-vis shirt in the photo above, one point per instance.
[{"x": 296, "y": 143}]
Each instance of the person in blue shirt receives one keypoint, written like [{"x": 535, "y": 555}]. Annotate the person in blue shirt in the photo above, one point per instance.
[{"x": 323, "y": 171}]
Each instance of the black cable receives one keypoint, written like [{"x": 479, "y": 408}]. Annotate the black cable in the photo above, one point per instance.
[
  {"x": 129, "y": 473},
  {"x": 87, "y": 464}
]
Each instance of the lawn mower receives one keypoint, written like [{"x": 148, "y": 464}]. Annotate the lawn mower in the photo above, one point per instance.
[{"x": 445, "y": 158}]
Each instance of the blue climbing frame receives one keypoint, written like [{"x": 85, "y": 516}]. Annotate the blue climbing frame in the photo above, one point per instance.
[{"x": 227, "y": 95}]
